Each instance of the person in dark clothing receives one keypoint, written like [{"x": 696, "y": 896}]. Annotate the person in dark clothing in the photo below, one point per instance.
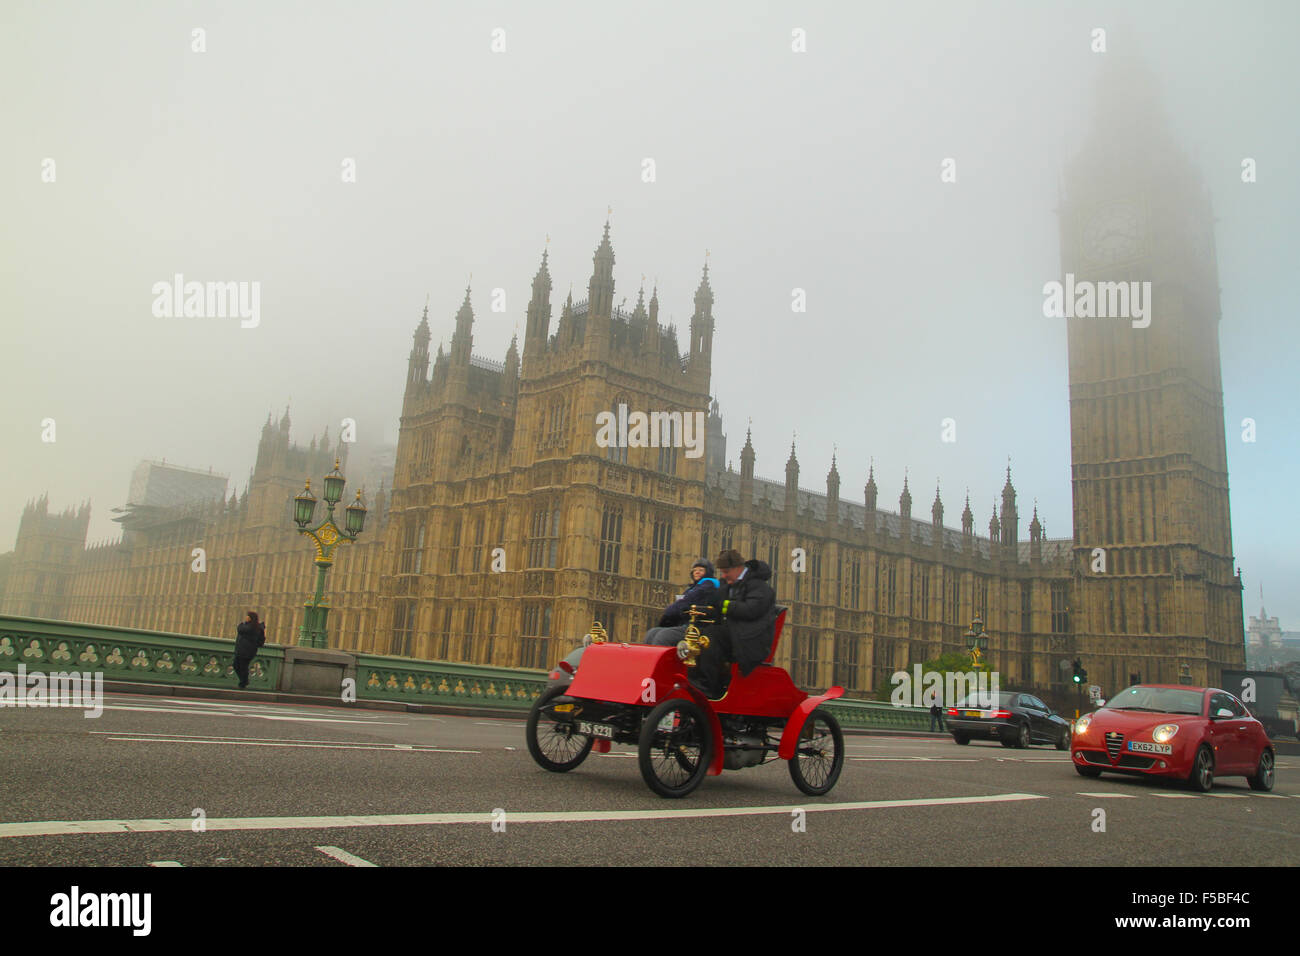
[
  {"x": 252, "y": 635},
  {"x": 746, "y": 627},
  {"x": 936, "y": 714},
  {"x": 702, "y": 591}
]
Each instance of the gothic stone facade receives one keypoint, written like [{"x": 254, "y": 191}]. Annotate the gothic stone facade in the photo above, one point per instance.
[{"x": 510, "y": 529}]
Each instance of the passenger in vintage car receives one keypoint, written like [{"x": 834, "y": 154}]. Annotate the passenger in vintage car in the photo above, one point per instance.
[
  {"x": 701, "y": 591},
  {"x": 745, "y": 627}
]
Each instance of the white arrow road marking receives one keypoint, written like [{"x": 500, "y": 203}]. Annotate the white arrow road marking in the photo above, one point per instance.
[
  {"x": 343, "y": 856},
  {"x": 480, "y": 818}
]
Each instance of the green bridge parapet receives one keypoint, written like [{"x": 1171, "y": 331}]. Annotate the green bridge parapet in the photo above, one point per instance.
[{"x": 129, "y": 654}]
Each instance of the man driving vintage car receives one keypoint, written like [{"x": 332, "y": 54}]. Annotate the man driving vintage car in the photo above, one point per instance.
[
  {"x": 744, "y": 626},
  {"x": 702, "y": 591}
]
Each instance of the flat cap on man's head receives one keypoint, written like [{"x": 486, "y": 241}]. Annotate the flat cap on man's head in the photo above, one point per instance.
[{"x": 729, "y": 559}]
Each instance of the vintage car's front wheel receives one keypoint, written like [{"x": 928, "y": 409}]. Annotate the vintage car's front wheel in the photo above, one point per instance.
[
  {"x": 819, "y": 754},
  {"x": 675, "y": 748},
  {"x": 555, "y": 745}
]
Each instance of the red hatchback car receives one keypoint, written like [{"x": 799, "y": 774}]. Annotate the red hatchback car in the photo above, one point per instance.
[{"x": 1187, "y": 733}]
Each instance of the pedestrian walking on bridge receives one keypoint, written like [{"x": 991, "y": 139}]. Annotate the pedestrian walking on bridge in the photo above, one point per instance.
[{"x": 252, "y": 635}]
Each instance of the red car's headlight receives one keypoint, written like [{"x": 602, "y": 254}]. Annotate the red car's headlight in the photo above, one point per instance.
[{"x": 1164, "y": 733}]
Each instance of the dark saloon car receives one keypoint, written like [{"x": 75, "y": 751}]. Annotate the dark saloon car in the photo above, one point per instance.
[{"x": 1017, "y": 720}]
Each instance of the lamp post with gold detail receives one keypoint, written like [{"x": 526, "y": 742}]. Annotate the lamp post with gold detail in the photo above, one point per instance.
[
  {"x": 326, "y": 536},
  {"x": 977, "y": 642}
]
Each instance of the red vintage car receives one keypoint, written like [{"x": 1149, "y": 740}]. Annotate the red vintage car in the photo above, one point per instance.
[
  {"x": 640, "y": 694},
  {"x": 1185, "y": 733}
]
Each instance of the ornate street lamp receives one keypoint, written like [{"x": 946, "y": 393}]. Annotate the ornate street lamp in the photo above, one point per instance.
[
  {"x": 326, "y": 536},
  {"x": 977, "y": 642}
]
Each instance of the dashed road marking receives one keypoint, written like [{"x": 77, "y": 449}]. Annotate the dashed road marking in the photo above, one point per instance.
[
  {"x": 405, "y": 748},
  {"x": 343, "y": 856},
  {"x": 1115, "y": 796},
  {"x": 165, "y": 863}
]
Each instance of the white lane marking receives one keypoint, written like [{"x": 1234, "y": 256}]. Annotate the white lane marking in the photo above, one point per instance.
[
  {"x": 481, "y": 818},
  {"x": 256, "y": 716},
  {"x": 280, "y": 740},
  {"x": 249, "y": 743},
  {"x": 1231, "y": 796},
  {"x": 496, "y": 723},
  {"x": 237, "y": 705},
  {"x": 166, "y": 863},
  {"x": 1116, "y": 796},
  {"x": 1270, "y": 796},
  {"x": 1177, "y": 796},
  {"x": 343, "y": 856},
  {"x": 916, "y": 759}
]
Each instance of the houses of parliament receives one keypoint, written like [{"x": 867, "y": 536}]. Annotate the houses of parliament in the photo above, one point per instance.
[{"x": 507, "y": 529}]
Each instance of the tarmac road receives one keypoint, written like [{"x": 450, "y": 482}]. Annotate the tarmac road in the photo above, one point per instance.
[{"x": 299, "y": 785}]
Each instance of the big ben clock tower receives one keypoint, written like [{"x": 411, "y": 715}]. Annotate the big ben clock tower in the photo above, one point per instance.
[{"x": 1155, "y": 594}]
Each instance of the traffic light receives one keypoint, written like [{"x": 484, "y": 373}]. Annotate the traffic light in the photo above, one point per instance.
[{"x": 1080, "y": 675}]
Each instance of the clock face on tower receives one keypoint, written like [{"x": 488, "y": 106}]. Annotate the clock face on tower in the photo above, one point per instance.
[{"x": 1113, "y": 234}]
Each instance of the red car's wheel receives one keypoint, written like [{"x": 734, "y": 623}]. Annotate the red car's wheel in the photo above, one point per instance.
[
  {"x": 554, "y": 744},
  {"x": 675, "y": 748},
  {"x": 819, "y": 754},
  {"x": 1263, "y": 779},
  {"x": 1202, "y": 776}
]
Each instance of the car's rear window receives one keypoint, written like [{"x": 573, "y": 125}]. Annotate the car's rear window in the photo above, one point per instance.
[{"x": 982, "y": 700}]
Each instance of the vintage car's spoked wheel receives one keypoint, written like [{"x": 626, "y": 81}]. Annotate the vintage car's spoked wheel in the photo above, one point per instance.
[
  {"x": 675, "y": 748},
  {"x": 819, "y": 754},
  {"x": 554, "y": 744}
]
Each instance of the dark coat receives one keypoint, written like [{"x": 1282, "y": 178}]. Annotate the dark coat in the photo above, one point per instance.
[
  {"x": 251, "y": 637},
  {"x": 703, "y": 592},
  {"x": 750, "y": 615}
]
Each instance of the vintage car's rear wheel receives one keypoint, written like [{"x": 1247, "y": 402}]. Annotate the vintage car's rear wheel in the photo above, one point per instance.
[
  {"x": 675, "y": 748},
  {"x": 1063, "y": 741},
  {"x": 555, "y": 747},
  {"x": 819, "y": 754}
]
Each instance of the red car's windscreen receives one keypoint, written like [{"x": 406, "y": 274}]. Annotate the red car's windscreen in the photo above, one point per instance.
[{"x": 1158, "y": 700}]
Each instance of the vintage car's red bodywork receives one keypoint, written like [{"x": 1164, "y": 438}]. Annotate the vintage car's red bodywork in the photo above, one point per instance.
[{"x": 614, "y": 678}]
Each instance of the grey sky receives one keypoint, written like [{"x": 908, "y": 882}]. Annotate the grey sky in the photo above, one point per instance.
[{"x": 817, "y": 170}]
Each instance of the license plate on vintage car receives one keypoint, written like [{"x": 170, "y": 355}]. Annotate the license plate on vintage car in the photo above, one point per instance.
[
  {"x": 1139, "y": 746},
  {"x": 596, "y": 730}
]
